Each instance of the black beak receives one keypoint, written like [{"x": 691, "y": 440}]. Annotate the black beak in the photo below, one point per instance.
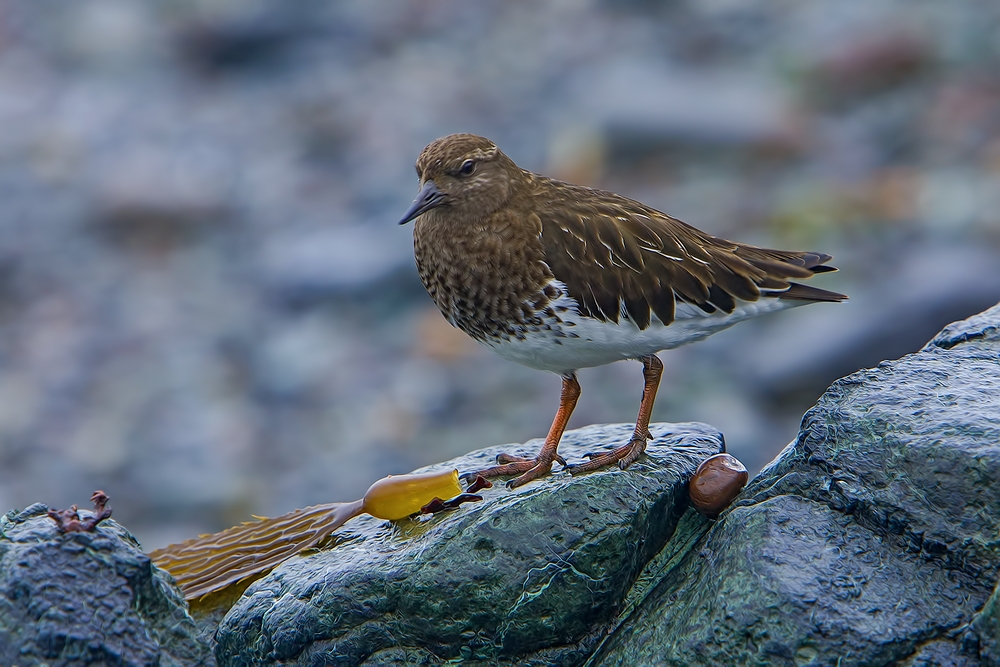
[{"x": 429, "y": 197}]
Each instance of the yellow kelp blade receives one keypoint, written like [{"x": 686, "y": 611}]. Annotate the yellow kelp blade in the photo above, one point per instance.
[{"x": 209, "y": 563}]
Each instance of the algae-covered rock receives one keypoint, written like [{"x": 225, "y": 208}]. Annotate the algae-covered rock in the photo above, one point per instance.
[
  {"x": 87, "y": 598},
  {"x": 985, "y": 631},
  {"x": 871, "y": 540},
  {"x": 527, "y": 576}
]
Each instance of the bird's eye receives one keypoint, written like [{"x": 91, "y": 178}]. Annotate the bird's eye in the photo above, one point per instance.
[{"x": 467, "y": 168}]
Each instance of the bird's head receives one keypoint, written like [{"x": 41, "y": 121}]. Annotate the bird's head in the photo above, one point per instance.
[{"x": 465, "y": 173}]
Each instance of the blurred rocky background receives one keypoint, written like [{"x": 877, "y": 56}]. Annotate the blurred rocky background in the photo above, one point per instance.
[{"x": 208, "y": 310}]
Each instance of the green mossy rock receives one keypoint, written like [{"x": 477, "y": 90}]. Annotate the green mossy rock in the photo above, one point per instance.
[
  {"x": 872, "y": 539},
  {"x": 533, "y": 575},
  {"x": 984, "y": 638},
  {"x": 89, "y": 598}
]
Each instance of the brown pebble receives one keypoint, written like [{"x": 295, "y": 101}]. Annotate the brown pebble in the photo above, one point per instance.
[{"x": 716, "y": 482}]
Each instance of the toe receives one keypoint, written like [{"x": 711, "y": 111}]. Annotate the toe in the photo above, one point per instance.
[
  {"x": 515, "y": 468},
  {"x": 595, "y": 463},
  {"x": 624, "y": 456},
  {"x": 540, "y": 469},
  {"x": 635, "y": 450},
  {"x": 510, "y": 458}
]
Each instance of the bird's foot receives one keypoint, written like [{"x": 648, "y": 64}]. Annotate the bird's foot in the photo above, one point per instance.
[
  {"x": 624, "y": 456},
  {"x": 527, "y": 469}
]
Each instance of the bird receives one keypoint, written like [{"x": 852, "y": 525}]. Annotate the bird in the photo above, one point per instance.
[{"x": 560, "y": 277}]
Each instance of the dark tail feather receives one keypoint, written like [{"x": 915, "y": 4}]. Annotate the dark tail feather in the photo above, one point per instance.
[
  {"x": 806, "y": 293},
  {"x": 823, "y": 269},
  {"x": 786, "y": 264},
  {"x": 815, "y": 261}
]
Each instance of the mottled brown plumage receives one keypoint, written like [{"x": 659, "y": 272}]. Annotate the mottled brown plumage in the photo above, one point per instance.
[{"x": 560, "y": 277}]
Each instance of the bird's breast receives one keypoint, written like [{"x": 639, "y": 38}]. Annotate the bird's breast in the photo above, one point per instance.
[{"x": 490, "y": 284}]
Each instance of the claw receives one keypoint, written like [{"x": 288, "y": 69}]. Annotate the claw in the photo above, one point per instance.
[{"x": 540, "y": 469}]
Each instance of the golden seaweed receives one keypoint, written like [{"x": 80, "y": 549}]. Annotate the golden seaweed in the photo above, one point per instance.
[{"x": 209, "y": 563}]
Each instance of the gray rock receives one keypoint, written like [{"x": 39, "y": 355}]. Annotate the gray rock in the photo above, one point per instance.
[
  {"x": 529, "y": 576},
  {"x": 870, "y": 540},
  {"x": 87, "y": 598}
]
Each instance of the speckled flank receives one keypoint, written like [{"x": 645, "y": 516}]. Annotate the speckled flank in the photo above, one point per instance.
[{"x": 571, "y": 341}]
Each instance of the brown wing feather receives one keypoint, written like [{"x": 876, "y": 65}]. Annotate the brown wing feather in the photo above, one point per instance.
[{"x": 617, "y": 256}]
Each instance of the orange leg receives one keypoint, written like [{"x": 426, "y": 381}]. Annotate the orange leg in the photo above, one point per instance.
[
  {"x": 541, "y": 465},
  {"x": 627, "y": 454}
]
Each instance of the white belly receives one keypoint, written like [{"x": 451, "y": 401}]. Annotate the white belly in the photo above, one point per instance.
[{"x": 594, "y": 343}]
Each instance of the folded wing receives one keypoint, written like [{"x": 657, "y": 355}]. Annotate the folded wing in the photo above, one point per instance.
[{"x": 619, "y": 258}]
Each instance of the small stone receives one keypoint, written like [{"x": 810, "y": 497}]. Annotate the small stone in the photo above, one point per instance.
[{"x": 716, "y": 483}]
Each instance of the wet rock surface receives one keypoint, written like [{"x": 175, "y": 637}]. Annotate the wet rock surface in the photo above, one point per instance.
[
  {"x": 527, "y": 576},
  {"x": 87, "y": 598},
  {"x": 870, "y": 540}
]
